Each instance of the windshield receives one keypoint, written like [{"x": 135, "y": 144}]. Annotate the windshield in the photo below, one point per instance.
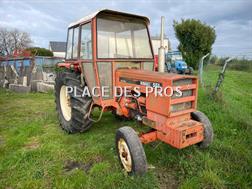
[
  {"x": 174, "y": 55},
  {"x": 122, "y": 38},
  {"x": 177, "y": 57}
]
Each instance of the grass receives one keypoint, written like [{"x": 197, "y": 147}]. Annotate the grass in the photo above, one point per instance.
[{"x": 36, "y": 153}]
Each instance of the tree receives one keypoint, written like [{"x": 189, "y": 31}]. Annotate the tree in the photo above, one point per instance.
[
  {"x": 13, "y": 39},
  {"x": 37, "y": 51},
  {"x": 196, "y": 39}
]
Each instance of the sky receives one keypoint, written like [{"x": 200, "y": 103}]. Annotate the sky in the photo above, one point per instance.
[{"x": 47, "y": 20}]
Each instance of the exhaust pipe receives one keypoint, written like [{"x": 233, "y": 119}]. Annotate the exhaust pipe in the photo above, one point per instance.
[{"x": 161, "y": 50}]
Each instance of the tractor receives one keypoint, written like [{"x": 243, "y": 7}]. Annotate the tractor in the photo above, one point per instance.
[
  {"x": 174, "y": 63},
  {"x": 112, "y": 50}
]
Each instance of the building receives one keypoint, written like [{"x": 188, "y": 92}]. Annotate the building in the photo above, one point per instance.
[
  {"x": 156, "y": 44},
  {"x": 58, "y": 48}
]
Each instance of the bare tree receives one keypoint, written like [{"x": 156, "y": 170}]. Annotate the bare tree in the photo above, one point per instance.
[
  {"x": 4, "y": 41},
  {"x": 11, "y": 40}
]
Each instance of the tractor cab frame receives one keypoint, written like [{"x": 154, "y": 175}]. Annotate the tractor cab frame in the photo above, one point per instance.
[{"x": 99, "y": 44}]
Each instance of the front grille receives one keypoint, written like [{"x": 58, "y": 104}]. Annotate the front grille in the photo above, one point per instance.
[
  {"x": 181, "y": 82},
  {"x": 185, "y": 93},
  {"x": 181, "y": 106},
  {"x": 183, "y": 102}
]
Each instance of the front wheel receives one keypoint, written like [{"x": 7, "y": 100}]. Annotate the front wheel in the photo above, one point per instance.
[
  {"x": 190, "y": 70},
  {"x": 208, "y": 129},
  {"x": 130, "y": 151}
]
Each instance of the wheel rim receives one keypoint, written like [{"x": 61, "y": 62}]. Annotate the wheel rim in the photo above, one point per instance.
[
  {"x": 125, "y": 155},
  {"x": 65, "y": 103}
]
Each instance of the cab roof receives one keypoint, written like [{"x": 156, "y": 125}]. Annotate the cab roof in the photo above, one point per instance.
[{"x": 94, "y": 14}]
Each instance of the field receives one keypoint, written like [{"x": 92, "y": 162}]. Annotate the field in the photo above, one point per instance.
[{"x": 36, "y": 153}]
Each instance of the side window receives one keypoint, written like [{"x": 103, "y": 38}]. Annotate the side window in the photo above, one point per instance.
[
  {"x": 75, "y": 42},
  {"x": 86, "y": 42},
  {"x": 69, "y": 44}
]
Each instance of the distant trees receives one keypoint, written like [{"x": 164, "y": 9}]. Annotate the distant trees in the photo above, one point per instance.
[
  {"x": 12, "y": 40},
  {"x": 37, "y": 51},
  {"x": 196, "y": 39},
  {"x": 241, "y": 64}
]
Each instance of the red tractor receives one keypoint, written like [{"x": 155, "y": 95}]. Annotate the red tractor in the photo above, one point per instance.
[{"x": 113, "y": 50}]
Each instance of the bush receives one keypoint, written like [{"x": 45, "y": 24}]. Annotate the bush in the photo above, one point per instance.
[
  {"x": 196, "y": 40},
  {"x": 236, "y": 64},
  {"x": 213, "y": 59},
  {"x": 37, "y": 51},
  {"x": 242, "y": 65}
]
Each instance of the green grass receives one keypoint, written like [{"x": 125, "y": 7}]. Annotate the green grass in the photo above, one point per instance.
[{"x": 34, "y": 151}]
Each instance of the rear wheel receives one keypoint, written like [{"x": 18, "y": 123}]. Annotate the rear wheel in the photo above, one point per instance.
[
  {"x": 72, "y": 109},
  {"x": 208, "y": 130},
  {"x": 130, "y": 151}
]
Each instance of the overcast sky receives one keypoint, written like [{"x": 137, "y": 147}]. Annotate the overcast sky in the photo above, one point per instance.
[{"x": 47, "y": 20}]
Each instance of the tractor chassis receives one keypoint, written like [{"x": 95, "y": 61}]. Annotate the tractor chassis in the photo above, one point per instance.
[{"x": 177, "y": 134}]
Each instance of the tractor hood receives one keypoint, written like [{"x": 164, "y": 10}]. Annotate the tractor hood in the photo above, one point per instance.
[{"x": 180, "y": 63}]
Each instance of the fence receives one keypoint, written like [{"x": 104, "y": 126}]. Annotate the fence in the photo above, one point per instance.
[{"x": 33, "y": 68}]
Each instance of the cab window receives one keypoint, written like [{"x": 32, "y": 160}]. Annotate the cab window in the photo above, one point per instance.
[
  {"x": 86, "y": 42},
  {"x": 75, "y": 42},
  {"x": 69, "y": 44},
  {"x": 72, "y": 43}
]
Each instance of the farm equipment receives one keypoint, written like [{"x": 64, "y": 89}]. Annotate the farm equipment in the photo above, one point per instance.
[
  {"x": 174, "y": 63},
  {"x": 113, "y": 49}
]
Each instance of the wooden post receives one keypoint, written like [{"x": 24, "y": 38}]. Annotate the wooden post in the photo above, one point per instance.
[{"x": 221, "y": 76}]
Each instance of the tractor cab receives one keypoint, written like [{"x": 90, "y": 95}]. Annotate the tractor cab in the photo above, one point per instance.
[
  {"x": 174, "y": 63},
  {"x": 106, "y": 41}
]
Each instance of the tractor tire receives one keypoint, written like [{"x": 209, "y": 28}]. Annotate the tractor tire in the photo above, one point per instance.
[
  {"x": 208, "y": 130},
  {"x": 72, "y": 109},
  {"x": 190, "y": 72},
  {"x": 166, "y": 68},
  {"x": 173, "y": 70},
  {"x": 182, "y": 72},
  {"x": 130, "y": 151}
]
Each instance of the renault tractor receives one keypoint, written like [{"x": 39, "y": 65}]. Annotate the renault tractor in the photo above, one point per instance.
[{"x": 112, "y": 50}]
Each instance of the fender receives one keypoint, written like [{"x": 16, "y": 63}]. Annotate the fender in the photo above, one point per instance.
[{"x": 70, "y": 65}]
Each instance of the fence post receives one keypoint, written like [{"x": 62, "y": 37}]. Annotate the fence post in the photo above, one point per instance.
[
  {"x": 201, "y": 63},
  {"x": 221, "y": 75}
]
